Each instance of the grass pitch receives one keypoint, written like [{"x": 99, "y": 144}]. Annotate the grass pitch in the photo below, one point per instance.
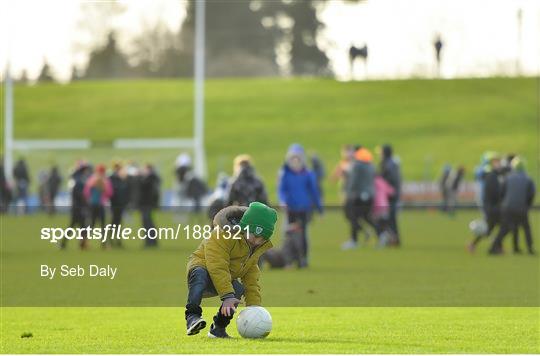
[
  {"x": 295, "y": 330},
  {"x": 347, "y": 302}
]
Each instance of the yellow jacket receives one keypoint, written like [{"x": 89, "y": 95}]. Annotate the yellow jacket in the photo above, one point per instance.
[{"x": 227, "y": 259}]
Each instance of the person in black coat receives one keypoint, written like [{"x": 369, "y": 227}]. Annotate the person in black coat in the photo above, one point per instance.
[
  {"x": 391, "y": 172},
  {"x": 54, "y": 180},
  {"x": 79, "y": 206},
  {"x": 22, "y": 182},
  {"x": 149, "y": 195},
  {"x": 247, "y": 187},
  {"x": 120, "y": 197},
  {"x": 491, "y": 199}
]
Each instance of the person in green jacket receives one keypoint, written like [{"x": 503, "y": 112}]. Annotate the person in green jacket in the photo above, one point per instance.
[{"x": 225, "y": 265}]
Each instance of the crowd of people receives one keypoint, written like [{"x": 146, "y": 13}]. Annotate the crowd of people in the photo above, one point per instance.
[
  {"x": 370, "y": 186},
  {"x": 370, "y": 193},
  {"x": 93, "y": 192},
  {"x": 505, "y": 194}
]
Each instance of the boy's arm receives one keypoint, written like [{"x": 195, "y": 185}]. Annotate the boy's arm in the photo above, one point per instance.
[
  {"x": 251, "y": 285},
  {"x": 217, "y": 256}
]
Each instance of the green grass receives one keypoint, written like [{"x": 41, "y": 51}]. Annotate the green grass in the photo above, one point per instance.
[
  {"x": 428, "y": 297},
  {"x": 295, "y": 330},
  {"x": 429, "y": 122}
]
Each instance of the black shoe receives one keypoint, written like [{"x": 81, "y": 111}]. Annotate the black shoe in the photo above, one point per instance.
[
  {"x": 195, "y": 324},
  {"x": 496, "y": 251},
  {"x": 532, "y": 252},
  {"x": 517, "y": 252},
  {"x": 217, "y": 332}
]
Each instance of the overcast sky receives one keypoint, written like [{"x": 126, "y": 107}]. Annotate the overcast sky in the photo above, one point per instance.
[{"x": 481, "y": 37}]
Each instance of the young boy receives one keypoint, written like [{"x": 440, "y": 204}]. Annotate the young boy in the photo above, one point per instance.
[{"x": 217, "y": 264}]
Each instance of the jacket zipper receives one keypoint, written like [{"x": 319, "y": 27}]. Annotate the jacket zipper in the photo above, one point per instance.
[{"x": 251, "y": 252}]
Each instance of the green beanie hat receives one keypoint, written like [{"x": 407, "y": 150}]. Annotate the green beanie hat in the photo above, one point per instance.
[{"x": 259, "y": 219}]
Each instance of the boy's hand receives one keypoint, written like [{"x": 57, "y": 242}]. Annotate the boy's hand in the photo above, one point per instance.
[{"x": 229, "y": 306}]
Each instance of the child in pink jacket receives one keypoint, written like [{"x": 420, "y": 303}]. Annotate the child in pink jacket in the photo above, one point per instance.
[{"x": 381, "y": 209}]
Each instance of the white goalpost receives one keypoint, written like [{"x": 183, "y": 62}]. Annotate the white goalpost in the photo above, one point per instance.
[{"x": 195, "y": 143}]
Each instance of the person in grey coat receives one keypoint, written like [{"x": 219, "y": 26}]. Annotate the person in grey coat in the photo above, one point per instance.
[
  {"x": 518, "y": 193},
  {"x": 359, "y": 192}
]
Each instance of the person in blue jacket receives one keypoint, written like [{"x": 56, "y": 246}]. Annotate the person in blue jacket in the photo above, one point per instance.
[{"x": 299, "y": 193}]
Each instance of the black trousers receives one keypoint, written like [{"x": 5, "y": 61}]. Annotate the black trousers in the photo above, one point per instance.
[
  {"x": 117, "y": 212},
  {"x": 78, "y": 219},
  {"x": 97, "y": 214},
  {"x": 200, "y": 286},
  {"x": 148, "y": 223},
  {"x": 511, "y": 222},
  {"x": 393, "y": 219},
  {"x": 355, "y": 210},
  {"x": 493, "y": 218}
]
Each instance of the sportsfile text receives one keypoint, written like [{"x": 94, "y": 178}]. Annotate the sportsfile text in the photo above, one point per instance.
[{"x": 119, "y": 232}]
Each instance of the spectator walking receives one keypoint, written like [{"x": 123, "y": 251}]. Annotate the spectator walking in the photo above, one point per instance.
[
  {"x": 22, "y": 183},
  {"x": 455, "y": 181},
  {"x": 479, "y": 175},
  {"x": 360, "y": 192},
  {"x": 119, "y": 198},
  {"x": 444, "y": 185},
  {"x": 298, "y": 194},
  {"x": 54, "y": 180},
  {"x": 43, "y": 190},
  {"x": 149, "y": 200},
  {"x": 79, "y": 206},
  {"x": 391, "y": 172},
  {"x": 491, "y": 196},
  {"x": 133, "y": 180},
  {"x": 518, "y": 193},
  {"x": 191, "y": 187}
]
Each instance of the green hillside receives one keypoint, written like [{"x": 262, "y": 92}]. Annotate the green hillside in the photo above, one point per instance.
[{"x": 429, "y": 122}]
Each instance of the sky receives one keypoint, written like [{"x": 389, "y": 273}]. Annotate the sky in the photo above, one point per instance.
[{"x": 480, "y": 37}]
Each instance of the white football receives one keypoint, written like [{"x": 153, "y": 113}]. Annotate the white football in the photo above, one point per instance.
[
  {"x": 254, "y": 322},
  {"x": 478, "y": 227}
]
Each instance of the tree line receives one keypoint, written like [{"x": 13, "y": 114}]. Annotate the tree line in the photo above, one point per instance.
[{"x": 243, "y": 38}]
